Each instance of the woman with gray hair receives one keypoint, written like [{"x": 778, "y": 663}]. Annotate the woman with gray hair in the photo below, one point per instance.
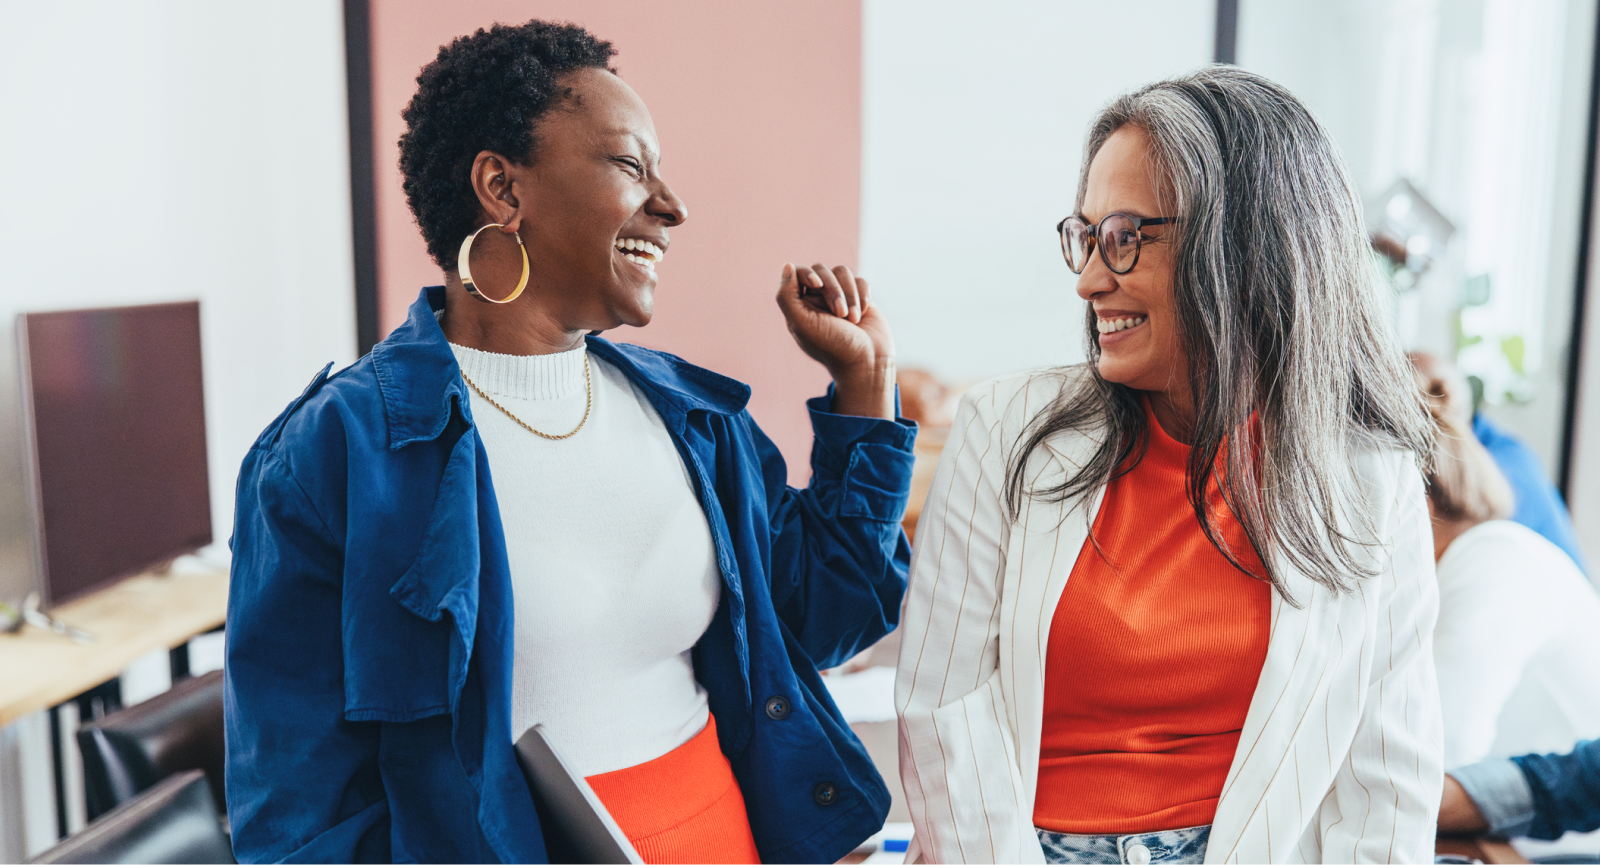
[{"x": 1175, "y": 604}]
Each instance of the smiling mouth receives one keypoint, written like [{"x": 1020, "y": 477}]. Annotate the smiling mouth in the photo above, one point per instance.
[
  {"x": 640, "y": 251},
  {"x": 1113, "y": 325}
]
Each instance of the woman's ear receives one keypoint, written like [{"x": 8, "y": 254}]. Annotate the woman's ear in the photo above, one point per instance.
[{"x": 495, "y": 187}]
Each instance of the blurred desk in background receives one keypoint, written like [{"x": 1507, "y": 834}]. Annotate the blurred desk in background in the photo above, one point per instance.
[
  {"x": 932, "y": 404},
  {"x": 44, "y": 670},
  {"x": 127, "y": 620},
  {"x": 1485, "y": 850},
  {"x": 929, "y": 447}
]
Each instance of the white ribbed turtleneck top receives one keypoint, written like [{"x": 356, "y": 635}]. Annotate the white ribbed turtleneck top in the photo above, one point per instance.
[{"x": 613, "y": 569}]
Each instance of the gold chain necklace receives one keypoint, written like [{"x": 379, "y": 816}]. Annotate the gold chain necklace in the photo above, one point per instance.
[{"x": 588, "y": 403}]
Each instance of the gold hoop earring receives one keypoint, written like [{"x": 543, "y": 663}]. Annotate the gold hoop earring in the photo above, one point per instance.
[{"x": 464, "y": 266}]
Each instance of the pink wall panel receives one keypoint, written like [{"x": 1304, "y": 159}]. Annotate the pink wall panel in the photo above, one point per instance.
[{"x": 758, "y": 108}]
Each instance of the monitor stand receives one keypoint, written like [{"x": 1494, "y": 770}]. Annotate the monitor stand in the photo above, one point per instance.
[{"x": 39, "y": 619}]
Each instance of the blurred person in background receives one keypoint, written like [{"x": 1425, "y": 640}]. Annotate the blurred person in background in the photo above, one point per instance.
[
  {"x": 635, "y": 574},
  {"x": 1176, "y": 604},
  {"x": 1517, "y": 646},
  {"x": 1536, "y": 503}
]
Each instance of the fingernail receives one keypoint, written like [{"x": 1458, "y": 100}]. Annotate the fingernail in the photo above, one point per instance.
[{"x": 788, "y": 272}]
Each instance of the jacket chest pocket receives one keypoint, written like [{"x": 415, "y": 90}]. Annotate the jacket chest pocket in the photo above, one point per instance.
[{"x": 407, "y": 643}]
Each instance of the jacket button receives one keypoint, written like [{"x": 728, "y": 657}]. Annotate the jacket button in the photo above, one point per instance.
[
  {"x": 825, "y": 793},
  {"x": 777, "y": 708}
]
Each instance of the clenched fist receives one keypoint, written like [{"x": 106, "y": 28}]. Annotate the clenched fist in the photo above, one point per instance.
[{"x": 831, "y": 316}]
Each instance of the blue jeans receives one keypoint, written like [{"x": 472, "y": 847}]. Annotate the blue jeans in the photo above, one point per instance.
[{"x": 1171, "y": 846}]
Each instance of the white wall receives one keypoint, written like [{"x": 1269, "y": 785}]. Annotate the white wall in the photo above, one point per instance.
[
  {"x": 974, "y": 117},
  {"x": 169, "y": 150},
  {"x": 1482, "y": 104},
  {"x": 973, "y": 121}
]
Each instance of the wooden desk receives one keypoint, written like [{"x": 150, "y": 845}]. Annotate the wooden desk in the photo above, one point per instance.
[
  {"x": 1485, "y": 850},
  {"x": 128, "y": 619}
]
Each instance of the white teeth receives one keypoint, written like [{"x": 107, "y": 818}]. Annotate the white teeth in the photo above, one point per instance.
[
  {"x": 1112, "y": 325},
  {"x": 648, "y": 251}
]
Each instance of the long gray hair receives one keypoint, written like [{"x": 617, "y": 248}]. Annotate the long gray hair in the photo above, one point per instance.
[{"x": 1280, "y": 311}]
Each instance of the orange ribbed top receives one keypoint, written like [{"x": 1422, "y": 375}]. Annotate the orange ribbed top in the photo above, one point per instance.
[
  {"x": 683, "y": 806},
  {"x": 1151, "y": 662}
]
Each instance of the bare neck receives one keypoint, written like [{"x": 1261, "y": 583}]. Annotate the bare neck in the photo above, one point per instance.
[
  {"x": 1445, "y": 533},
  {"x": 1175, "y": 413},
  {"x": 521, "y": 327}
]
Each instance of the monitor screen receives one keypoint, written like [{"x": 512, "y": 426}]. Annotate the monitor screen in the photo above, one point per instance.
[{"x": 118, "y": 434}]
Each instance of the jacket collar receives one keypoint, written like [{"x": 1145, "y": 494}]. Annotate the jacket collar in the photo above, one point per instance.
[
  {"x": 417, "y": 374},
  {"x": 673, "y": 385},
  {"x": 420, "y": 380}
]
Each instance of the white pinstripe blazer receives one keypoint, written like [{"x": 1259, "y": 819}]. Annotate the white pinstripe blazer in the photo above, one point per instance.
[{"x": 1339, "y": 759}]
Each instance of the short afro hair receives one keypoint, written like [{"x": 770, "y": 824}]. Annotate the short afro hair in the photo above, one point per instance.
[{"x": 483, "y": 92}]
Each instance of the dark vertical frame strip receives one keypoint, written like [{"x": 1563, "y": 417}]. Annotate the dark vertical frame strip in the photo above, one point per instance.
[
  {"x": 1227, "y": 32},
  {"x": 363, "y": 197},
  {"x": 58, "y": 770},
  {"x": 1580, "y": 292}
]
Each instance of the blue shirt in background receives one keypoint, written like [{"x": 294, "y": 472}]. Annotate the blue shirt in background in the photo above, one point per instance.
[
  {"x": 1537, "y": 795},
  {"x": 1565, "y": 790},
  {"x": 1539, "y": 504}
]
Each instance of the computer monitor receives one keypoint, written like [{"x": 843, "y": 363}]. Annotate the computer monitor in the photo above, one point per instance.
[{"x": 115, "y": 419}]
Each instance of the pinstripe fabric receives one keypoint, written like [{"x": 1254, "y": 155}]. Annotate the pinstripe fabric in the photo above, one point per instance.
[{"x": 1339, "y": 760}]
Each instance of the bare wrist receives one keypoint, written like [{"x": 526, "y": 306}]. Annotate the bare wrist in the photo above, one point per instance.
[
  {"x": 1457, "y": 811},
  {"x": 866, "y": 390}
]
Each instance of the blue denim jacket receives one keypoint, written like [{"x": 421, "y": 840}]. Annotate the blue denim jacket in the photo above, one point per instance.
[
  {"x": 370, "y": 616},
  {"x": 1538, "y": 795},
  {"x": 1566, "y": 790}
]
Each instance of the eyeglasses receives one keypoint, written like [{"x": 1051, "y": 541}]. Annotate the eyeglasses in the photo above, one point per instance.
[{"x": 1118, "y": 236}]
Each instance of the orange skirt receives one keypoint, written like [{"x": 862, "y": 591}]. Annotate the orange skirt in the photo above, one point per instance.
[{"x": 683, "y": 806}]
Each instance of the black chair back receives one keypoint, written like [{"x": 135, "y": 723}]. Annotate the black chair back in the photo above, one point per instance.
[
  {"x": 173, "y": 822},
  {"x": 132, "y": 749}
]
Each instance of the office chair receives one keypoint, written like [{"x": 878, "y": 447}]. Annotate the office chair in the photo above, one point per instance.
[
  {"x": 132, "y": 749},
  {"x": 173, "y": 822}
]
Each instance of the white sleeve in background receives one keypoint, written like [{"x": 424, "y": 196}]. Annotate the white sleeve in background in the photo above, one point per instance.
[
  {"x": 953, "y": 732},
  {"x": 1505, "y": 594}
]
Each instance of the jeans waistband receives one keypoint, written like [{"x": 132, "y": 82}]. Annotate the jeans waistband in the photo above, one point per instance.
[{"x": 1140, "y": 848}]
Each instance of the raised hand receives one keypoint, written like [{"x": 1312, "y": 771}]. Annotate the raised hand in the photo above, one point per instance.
[{"x": 831, "y": 316}]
